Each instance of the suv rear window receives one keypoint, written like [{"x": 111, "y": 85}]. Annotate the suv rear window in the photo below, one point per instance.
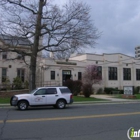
[{"x": 65, "y": 90}]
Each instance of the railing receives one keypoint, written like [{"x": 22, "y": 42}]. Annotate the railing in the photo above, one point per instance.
[
  {"x": 49, "y": 83},
  {"x": 10, "y": 86},
  {"x": 38, "y": 84}
]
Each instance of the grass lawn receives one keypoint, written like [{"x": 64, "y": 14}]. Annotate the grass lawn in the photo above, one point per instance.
[
  {"x": 4, "y": 100},
  {"x": 75, "y": 98},
  {"x": 137, "y": 96},
  {"x": 81, "y": 99}
]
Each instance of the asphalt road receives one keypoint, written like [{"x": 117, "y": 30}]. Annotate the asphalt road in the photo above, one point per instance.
[{"x": 76, "y": 122}]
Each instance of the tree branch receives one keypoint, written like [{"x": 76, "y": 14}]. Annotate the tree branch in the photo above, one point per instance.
[{"x": 23, "y": 6}]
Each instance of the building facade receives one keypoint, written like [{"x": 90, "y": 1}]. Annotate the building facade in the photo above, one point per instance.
[
  {"x": 118, "y": 70},
  {"x": 12, "y": 64},
  {"x": 137, "y": 52}
]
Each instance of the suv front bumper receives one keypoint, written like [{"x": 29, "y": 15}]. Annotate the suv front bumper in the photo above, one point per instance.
[{"x": 13, "y": 101}]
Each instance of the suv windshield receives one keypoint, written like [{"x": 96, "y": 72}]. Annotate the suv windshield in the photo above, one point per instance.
[{"x": 32, "y": 91}]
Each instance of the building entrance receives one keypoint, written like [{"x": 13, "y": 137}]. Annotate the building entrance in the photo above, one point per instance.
[{"x": 66, "y": 75}]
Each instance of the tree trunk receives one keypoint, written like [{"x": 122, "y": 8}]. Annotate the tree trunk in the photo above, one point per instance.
[{"x": 35, "y": 47}]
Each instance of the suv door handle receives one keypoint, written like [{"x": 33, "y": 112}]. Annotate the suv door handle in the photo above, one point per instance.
[
  {"x": 56, "y": 95},
  {"x": 43, "y": 96}
]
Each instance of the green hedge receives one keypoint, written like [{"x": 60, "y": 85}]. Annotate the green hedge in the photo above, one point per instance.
[{"x": 111, "y": 90}]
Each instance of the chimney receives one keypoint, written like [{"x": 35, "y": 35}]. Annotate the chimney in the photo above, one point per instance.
[{"x": 51, "y": 55}]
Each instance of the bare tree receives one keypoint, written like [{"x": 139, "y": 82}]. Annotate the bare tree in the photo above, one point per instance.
[{"x": 61, "y": 29}]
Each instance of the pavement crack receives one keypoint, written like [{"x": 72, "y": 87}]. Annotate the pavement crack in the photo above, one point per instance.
[{"x": 4, "y": 123}]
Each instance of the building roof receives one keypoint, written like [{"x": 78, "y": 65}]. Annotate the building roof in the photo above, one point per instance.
[
  {"x": 79, "y": 54},
  {"x": 15, "y": 41}
]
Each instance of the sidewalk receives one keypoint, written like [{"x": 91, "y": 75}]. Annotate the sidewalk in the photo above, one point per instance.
[
  {"x": 109, "y": 99},
  {"x": 112, "y": 98}
]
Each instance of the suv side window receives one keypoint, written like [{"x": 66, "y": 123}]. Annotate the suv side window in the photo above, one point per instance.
[
  {"x": 41, "y": 92},
  {"x": 51, "y": 91},
  {"x": 65, "y": 90}
]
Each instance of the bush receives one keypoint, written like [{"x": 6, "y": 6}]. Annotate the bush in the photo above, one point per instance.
[
  {"x": 136, "y": 90},
  {"x": 6, "y": 84},
  {"x": 17, "y": 83},
  {"x": 74, "y": 86},
  {"x": 100, "y": 91},
  {"x": 111, "y": 90},
  {"x": 108, "y": 90},
  {"x": 121, "y": 91},
  {"x": 26, "y": 84},
  {"x": 87, "y": 90},
  {"x": 77, "y": 87}
]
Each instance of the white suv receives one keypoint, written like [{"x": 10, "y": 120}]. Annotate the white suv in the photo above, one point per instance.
[{"x": 55, "y": 96}]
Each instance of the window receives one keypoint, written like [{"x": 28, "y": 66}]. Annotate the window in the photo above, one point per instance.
[
  {"x": 65, "y": 90},
  {"x": 52, "y": 75},
  {"x": 99, "y": 71},
  {"x": 112, "y": 73},
  {"x": 51, "y": 91},
  {"x": 21, "y": 74},
  {"x": 79, "y": 75},
  {"x": 4, "y": 74},
  {"x": 137, "y": 74},
  {"x": 41, "y": 92},
  {"x": 20, "y": 57},
  {"x": 126, "y": 73},
  {"x": 4, "y": 55}
]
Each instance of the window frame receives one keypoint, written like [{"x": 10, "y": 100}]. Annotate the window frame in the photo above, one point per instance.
[
  {"x": 138, "y": 74},
  {"x": 20, "y": 75},
  {"x": 112, "y": 73},
  {"x": 79, "y": 75},
  {"x": 126, "y": 73},
  {"x": 99, "y": 71},
  {"x": 4, "y": 55},
  {"x": 3, "y": 79},
  {"x": 52, "y": 75}
]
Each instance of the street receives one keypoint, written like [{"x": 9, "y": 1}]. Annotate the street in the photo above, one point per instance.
[{"x": 76, "y": 122}]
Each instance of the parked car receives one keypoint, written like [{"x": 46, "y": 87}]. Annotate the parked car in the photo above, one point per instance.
[{"x": 43, "y": 96}]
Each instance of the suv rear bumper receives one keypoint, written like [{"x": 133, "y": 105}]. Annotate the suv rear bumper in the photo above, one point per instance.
[{"x": 71, "y": 101}]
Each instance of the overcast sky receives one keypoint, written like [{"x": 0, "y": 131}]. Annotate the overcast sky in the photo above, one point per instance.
[{"x": 119, "y": 22}]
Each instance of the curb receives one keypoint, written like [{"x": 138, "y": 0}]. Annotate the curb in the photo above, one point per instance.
[{"x": 90, "y": 102}]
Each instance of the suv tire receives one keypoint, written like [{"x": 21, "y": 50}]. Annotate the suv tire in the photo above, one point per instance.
[
  {"x": 61, "y": 104},
  {"x": 22, "y": 105}
]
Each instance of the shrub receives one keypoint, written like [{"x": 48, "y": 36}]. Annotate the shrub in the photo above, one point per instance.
[
  {"x": 74, "y": 86},
  {"x": 136, "y": 90},
  {"x": 69, "y": 84},
  {"x": 111, "y": 90},
  {"x": 17, "y": 83},
  {"x": 121, "y": 91},
  {"x": 99, "y": 91},
  {"x": 87, "y": 90},
  {"x": 26, "y": 84},
  {"x": 6, "y": 84},
  {"x": 108, "y": 90},
  {"x": 77, "y": 87}
]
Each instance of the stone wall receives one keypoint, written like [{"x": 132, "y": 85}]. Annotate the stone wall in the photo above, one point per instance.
[{"x": 10, "y": 93}]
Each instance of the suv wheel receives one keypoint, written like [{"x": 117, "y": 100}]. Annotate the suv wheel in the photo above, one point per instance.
[
  {"x": 61, "y": 104},
  {"x": 22, "y": 105}
]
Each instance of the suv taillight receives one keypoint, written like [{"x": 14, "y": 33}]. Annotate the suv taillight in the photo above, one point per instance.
[{"x": 71, "y": 96}]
